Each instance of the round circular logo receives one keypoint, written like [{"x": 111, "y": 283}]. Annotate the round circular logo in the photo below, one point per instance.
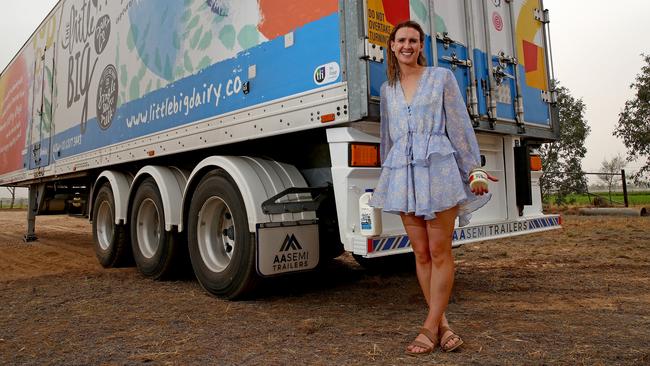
[
  {"x": 107, "y": 97},
  {"x": 102, "y": 33},
  {"x": 497, "y": 21}
]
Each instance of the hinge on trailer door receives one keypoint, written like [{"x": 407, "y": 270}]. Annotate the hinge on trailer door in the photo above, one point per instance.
[
  {"x": 541, "y": 16},
  {"x": 372, "y": 52},
  {"x": 519, "y": 109},
  {"x": 491, "y": 111},
  {"x": 549, "y": 96}
]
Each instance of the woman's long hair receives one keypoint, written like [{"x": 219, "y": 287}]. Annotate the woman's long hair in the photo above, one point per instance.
[{"x": 392, "y": 70}]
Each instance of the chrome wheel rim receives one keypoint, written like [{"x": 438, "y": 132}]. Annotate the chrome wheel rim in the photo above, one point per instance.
[
  {"x": 216, "y": 234},
  {"x": 148, "y": 228},
  {"x": 105, "y": 225}
]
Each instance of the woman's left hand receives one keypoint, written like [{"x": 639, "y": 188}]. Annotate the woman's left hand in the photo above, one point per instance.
[{"x": 480, "y": 188}]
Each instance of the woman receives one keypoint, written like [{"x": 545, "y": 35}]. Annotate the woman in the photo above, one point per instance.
[{"x": 429, "y": 152}]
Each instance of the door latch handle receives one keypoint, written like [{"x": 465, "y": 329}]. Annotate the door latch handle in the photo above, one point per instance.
[
  {"x": 500, "y": 74},
  {"x": 455, "y": 61},
  {"x": 445, "y": 39}
]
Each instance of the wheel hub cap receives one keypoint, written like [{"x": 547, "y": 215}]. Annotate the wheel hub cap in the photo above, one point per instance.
[{"x": 216, "y": 234}]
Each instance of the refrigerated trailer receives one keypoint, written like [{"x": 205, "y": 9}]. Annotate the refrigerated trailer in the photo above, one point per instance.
[{"x": 237, "y": 136}]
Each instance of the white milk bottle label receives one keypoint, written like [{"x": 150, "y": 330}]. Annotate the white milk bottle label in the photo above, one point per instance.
[{"x": 369, "y": 217}]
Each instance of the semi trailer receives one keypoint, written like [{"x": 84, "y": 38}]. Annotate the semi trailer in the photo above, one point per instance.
[{"x": 236, "y": 137}]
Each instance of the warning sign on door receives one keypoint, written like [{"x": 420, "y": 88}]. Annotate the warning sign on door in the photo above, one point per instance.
[
  {"x": 378, "y": 26},
  {"x": 383, "y": 15}
]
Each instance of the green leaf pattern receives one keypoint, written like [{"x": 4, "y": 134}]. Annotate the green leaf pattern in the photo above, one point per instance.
[
  {"x": 420, "y": 12},
  {"x": 202, "y": 39}
]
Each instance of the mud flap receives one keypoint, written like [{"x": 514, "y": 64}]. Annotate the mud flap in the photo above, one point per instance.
[{"x": 287, "y": 247}]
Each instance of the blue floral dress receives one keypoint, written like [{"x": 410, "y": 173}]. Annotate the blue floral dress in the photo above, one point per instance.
[{"x": 428, "y": 148}]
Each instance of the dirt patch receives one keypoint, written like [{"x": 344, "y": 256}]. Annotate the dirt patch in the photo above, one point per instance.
[{"x": 575, "y": 296}]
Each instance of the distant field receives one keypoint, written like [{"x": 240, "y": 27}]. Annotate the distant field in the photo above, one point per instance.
[
  {"x": 634, "y": 198},
  {"x": 18, "y": 203}
]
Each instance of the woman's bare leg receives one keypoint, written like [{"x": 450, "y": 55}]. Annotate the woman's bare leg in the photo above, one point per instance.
[
  {"x": 424, "y": 237},
  {"x": 416, "y": 229},
  {"x": 439, "y": 233}
]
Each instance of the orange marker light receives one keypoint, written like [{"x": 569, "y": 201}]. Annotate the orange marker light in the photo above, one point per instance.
[
  {"x": 151, "y": 152},
  {"x": 364, "y": 155},
  {"x": 328, "y": 118},
  {"x": 535, "y": 163}
]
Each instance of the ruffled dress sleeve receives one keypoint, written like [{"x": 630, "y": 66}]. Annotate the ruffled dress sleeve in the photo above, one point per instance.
[{"x": 459, "y": 128}]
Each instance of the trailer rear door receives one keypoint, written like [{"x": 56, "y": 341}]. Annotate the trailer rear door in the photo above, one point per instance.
[{"x": 512, "y": 62}]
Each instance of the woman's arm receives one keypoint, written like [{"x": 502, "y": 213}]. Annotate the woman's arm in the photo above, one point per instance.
[{"x": 459, "y": 127}]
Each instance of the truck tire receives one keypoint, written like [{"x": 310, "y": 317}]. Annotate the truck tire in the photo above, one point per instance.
[
  {"x": 158, "y": 253},
  {"x": 222, "y": 250},
  {"x": 111, "y": 241}
]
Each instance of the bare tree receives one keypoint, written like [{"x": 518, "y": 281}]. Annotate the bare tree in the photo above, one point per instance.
[
  {"x": 610, "y": 168},
  {"x": 12, "y": 192}
]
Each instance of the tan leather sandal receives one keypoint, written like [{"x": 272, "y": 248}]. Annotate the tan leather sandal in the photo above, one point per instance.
[
  {"x": 427, "y": 348},
  {"x": 451, "y": 335}
]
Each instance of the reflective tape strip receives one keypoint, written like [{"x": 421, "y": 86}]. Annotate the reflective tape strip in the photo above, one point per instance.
[{"x": 473, "y": 233}]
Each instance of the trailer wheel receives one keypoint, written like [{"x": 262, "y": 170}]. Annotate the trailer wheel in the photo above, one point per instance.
[
  {"x": 221, "y": 248},
  {"x": 111, "y": 241},
  {"x": 157, "y": 253}
]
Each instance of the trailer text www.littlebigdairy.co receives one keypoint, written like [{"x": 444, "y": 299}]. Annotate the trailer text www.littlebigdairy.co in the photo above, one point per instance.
[{"x": 206, "y": 95}]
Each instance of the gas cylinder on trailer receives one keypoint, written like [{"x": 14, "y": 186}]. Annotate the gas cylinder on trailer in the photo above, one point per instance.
[{"x": 369, "y": 217}]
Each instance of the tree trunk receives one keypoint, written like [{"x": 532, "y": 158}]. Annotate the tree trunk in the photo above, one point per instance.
[
  {"x": 12, "y": 190},
  {"x": 610, "y": 195}
]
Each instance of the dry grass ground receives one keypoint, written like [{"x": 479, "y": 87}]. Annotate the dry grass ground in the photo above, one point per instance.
[{"x": 580, "y": 295}]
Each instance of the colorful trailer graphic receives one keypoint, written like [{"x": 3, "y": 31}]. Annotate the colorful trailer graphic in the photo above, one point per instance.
[
  {"x": 14, "y": 114},
  {"x": 207, "y": 59},
  {"x": 97, "y": 77}
]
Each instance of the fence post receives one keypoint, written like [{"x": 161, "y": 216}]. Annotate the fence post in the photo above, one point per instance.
[{"x": 624, "y": 188}]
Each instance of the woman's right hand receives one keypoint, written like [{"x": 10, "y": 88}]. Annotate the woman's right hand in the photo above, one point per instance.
[{"x": 478, "y": 181}]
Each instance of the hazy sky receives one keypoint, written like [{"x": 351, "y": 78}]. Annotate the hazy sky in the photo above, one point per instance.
[
  {"x": 596, "y": 53},
  {"x": 596, "y": 50}
]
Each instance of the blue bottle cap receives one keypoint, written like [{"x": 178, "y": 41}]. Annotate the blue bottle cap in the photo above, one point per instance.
[{"x": 369, "y": 190}]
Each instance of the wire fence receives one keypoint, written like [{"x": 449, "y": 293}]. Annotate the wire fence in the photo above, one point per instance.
[
  {"x": 612, "y": 181},
  {"x": 612, "y": 190}
]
